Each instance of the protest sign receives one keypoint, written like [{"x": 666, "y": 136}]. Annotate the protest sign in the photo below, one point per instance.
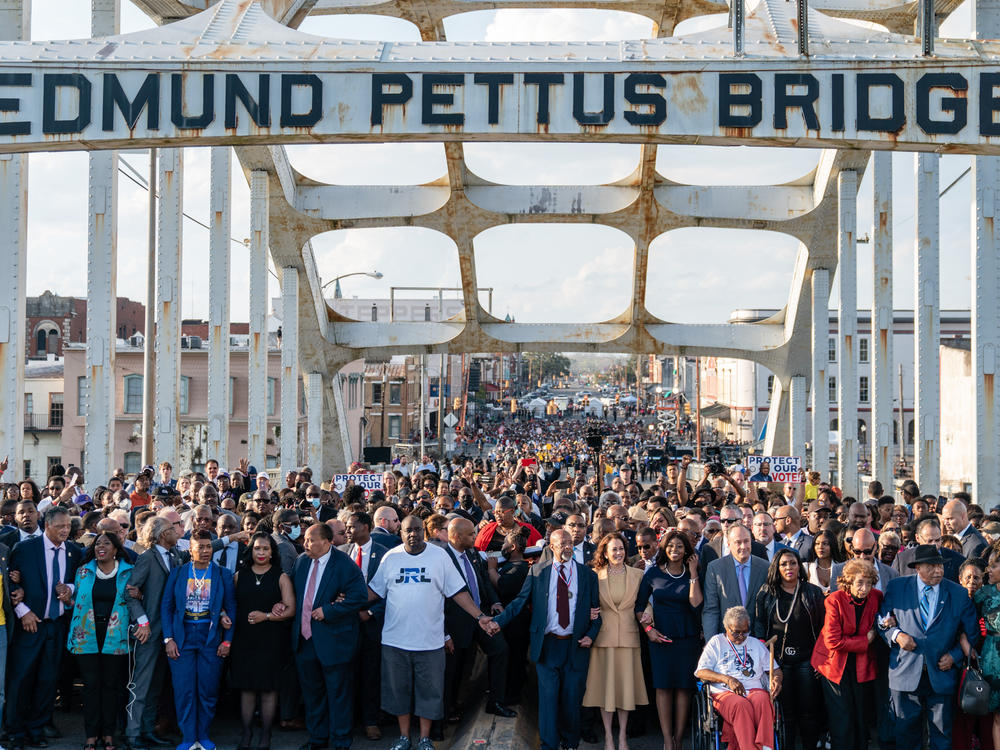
[
  {"x": 368, "y": 481},
  {"x": 774, "y": 468}
]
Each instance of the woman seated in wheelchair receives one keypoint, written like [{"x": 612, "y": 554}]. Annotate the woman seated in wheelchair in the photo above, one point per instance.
[{"x": 735, "y": 668}]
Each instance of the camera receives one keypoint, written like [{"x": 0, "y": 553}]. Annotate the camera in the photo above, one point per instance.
[
  {"x": 594, "y": 438},
  {"x": 716, "y": 468}
]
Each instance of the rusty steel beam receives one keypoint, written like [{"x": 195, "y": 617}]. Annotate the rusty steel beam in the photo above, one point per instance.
[
  {"x": 220, "y": 210},
  {"x": 257, "y": 398}
]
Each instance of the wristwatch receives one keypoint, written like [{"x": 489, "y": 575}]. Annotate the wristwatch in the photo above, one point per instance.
[{"x": 166, "y": 641}]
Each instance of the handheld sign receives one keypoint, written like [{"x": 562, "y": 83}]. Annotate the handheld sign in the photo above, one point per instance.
[
  {"x": 368, "y": 481},
  {"x": 774, "y": 468}
]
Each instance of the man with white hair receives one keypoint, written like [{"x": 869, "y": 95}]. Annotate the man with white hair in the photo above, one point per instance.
[{"x": 386, "y": 531}]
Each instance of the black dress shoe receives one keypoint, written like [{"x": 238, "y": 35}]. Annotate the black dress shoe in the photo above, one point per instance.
[
  {"x": 51, "y": 732},
  {"x": 498, "y": 710},
  {"x": 153, "y": 739}
]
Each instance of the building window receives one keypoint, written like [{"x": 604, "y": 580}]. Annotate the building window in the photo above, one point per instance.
[
  {"x": 910, "y": 432},
  {"x": 374, "y": 313},
  {"x": 427, "y": 313},
  {"x": 272, "y": 385},
  {"x": 41, "y": 341},
  {"x": 185, "y": 394},
  {"x": 831, "y": 350},
  {"x": 27, "y": 468},
  {"x": 133, "y": 394},
  {"x": 834, "y": 425},
  {"x": 395, "y": 394},
  {"x": 862, "y": 350},
  {"x": 29, "y": 403},
  {"x": 55, "y": 410},
  {"x": 395, "y": 422},
  {"x": 862, "y": 432},
  {"x": 831, "y": 389},
  {"x": 232, "y": 395},
  {"x": 302, "y": 396},
  {"x": 132, "y": 462},
  {"x": 895, "y": 432},
  {"x": 376, "y": 393},
  {"x": 81, "y": 395},
  {"x": 863, "y": 389},
  {"x": 54, "y": 461}
]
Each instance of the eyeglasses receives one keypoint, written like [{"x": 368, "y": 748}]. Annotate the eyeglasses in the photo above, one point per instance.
[
  {"x": 738, "y": 633},
  {"x": 124, "y": 526},
  {"x": 869, "y": 551},
  {"x": 732, "y": 520},
  {"x": 644, "y": 546}
]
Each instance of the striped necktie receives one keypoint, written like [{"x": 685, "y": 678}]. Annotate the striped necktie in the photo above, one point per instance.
[{"x": 925, "y": 606}]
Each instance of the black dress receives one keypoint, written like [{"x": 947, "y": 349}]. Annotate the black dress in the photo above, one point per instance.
[{"x": 259, "y": 651}]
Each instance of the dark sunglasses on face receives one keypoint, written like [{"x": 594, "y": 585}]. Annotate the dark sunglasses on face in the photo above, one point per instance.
[
  {"x": 645, "y": 546},
  {"x": 869, "y": 551}
]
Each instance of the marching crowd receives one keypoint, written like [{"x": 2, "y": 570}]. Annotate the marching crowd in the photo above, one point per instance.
[{"x": 350, "y": 610}]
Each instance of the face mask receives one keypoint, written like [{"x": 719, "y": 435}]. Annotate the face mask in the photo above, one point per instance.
[
  {"x": 314, "y": 501},
  {"x": 294, "y": 532},
  {"x": 443, "y": 512}
]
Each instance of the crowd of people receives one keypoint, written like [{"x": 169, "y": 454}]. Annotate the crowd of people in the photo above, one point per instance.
[{"x": 341, "y": 611}]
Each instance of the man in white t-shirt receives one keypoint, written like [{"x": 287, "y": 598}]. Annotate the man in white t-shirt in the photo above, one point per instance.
[
  {"x": 736, "y": 669},
  {"x": 414, "y": 579}
]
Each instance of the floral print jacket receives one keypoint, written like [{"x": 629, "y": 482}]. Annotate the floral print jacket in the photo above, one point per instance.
[{"x": 83, "y": 630}]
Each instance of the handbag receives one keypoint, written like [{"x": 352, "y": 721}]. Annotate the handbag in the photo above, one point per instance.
[{"x": 974, "y": 691}]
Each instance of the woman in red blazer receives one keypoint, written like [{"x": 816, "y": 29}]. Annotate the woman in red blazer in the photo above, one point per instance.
[{"x": 844, "y": 655}]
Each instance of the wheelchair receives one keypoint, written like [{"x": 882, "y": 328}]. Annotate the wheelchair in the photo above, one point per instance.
[{"x": 706, "y": 724}]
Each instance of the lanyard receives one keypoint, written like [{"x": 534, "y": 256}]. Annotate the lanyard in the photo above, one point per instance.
[{"x": 744, "y": 662}]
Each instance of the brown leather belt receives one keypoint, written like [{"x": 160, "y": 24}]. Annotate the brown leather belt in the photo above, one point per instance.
[{"x": 559, "y": 637}]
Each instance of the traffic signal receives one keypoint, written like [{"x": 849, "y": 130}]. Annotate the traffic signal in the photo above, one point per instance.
[{"x": 618, "y": 398}]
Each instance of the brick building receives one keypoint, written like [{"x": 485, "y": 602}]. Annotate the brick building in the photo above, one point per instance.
[{"x": 52, "y": 320}]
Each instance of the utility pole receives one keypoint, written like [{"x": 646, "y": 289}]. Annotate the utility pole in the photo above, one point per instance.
[
  {"x": 148, "y": 392},
  {"x": 385, "y": 387},
  {"x": 697, "y": 408}
]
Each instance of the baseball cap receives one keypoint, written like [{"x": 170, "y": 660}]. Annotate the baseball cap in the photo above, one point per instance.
[
  {"x": 818, "y": 505},
  {"x": 557, "y": 519},
  {"x": 638, "y": 513},
  {"x": 82, "y": 499}
]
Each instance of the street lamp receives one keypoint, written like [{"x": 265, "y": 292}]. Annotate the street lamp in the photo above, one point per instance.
[{"x": 336, "y": 293}]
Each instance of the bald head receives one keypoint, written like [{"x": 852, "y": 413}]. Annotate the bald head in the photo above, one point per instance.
[
  {"x": 863, "y": 544},
  {"x": 955, "y": 517},
  {"x": 461, "y": 534}
]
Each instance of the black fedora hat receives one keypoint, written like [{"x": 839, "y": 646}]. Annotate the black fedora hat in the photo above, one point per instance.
[{"x": 926, "y": 554}]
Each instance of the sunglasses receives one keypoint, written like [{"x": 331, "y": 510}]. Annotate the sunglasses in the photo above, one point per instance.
[
  {"x": 732, "y": 520},
  {"x": 869, "y": 551},
  {"x": 644, "y": 546}
]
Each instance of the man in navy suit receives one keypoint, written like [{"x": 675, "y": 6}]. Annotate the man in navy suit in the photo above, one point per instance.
[
  {"x": 46, "y": 567},
  {"x": 930, "y": 613},
  {"x": 329, "y": 591},
  {"x": 562, "y": 593},
  {"x": 367, "y": 554},
  {"x": 194, "y": 616}
]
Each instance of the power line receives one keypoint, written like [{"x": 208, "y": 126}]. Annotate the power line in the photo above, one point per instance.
[{"x": 142, "y": 182}]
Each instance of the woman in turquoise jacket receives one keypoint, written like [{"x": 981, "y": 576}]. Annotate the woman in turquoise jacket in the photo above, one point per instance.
[{"x": 98, "y": 635}]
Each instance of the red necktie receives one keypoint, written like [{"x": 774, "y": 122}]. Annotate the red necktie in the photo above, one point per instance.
[
  {"x": 562, "y": 598},
  {"x": 358, "y": 558}
]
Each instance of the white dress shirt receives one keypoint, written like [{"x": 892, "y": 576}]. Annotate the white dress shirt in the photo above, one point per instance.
[
  {"x": 32, "y": 535},
  {"x": 552, "y": 616},
  {"x": 366, "y": 556},
  {"x": 578, "y": 553},
  {"x": 319, "y": 575},
  {"x": 22, "y": 609}
]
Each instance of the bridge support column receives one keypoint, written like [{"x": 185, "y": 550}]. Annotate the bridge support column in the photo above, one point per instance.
[
  {"x": 797, "y": 417},
  {"x": 166, "y": 434},
  {"x": 847, "y": 330},
  {"x": 775, "y": 434},
  {"x": 102, "y": 286},
  {"x": 820, "y": 349},
  {"x": 15, "y": 23},
  {"x": 986, "y": 296},
  {"x": 326, "y": 428},
  {"x": 257, "y": 399},
  {"x": 926, "y": 317},
  {"x": 882, "y": 422},
  {"x": 218, "y": 307},
  {"x": 290, "y": 369}
]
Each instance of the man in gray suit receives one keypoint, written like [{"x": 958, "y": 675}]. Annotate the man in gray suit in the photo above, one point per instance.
[
  {"x": 145, "y": 590},
  {"x": 732, "y": 581},
  {"x": 862, "y": 546}
]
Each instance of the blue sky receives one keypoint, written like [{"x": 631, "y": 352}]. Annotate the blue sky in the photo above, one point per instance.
[{"x": 539, "y": 273}]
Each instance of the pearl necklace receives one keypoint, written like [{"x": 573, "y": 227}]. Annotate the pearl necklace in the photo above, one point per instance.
[{"x": 105, "y": 576}]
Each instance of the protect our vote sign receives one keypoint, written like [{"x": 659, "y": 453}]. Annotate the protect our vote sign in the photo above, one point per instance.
[
  {"x": 774, "y": 468},
  {"x": 368, "y": 481}
]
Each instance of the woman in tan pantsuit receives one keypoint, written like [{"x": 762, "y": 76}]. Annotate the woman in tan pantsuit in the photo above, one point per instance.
[{"x": 614, "y": 680}]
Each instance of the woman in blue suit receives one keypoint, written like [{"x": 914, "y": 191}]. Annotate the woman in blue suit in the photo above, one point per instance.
[{"x": 98, "y": 635}]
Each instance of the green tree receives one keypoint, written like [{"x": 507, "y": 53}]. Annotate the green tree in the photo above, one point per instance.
[{"x": 547, "y": 366}]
